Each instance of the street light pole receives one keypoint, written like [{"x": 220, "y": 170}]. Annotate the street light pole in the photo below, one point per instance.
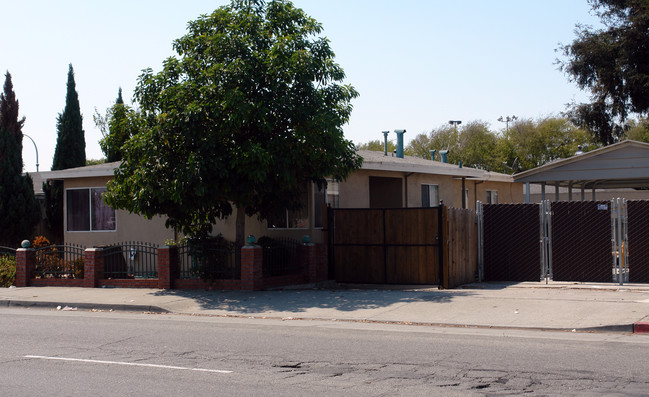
[
  {"x": 30, "y": 138},
  {"x": 455, "y": 123},
  {"x": 506, "y": 120}
]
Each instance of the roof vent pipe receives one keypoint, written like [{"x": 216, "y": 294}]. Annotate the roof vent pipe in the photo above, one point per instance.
[
  {"x": 432, "y": 154},
  {"x": 385, "y": 142},
  {"x": 400, "y": 142},
  {"x": 443, "y": 154}
]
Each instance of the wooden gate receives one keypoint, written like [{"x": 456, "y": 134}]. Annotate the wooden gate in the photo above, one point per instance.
[
  {"x": 391, "y": 246},
  {"x": 403, "y": 246}
]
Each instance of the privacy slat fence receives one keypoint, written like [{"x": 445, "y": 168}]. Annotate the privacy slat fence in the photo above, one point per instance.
[
  {"x": 511, "y": 242},
  {"x": 590, "y": 241}
]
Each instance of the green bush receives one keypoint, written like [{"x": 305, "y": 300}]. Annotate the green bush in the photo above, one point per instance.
[{"x": 7, "y": 270}]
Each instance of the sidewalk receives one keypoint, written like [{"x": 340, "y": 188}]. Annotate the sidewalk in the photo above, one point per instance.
[{"x": 556, "y": 306}]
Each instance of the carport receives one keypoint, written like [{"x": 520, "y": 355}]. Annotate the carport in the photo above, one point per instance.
[{"x": 621, "y": 165}]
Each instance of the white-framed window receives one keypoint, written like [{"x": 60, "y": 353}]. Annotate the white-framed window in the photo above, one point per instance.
[
  {"x": 429, "y": 195},
  {"x": 492, "y": 197},
  {"x": 291, "y": 219},
  {"x": 87, "y": 212},
  {"x": 333, "y": 193}
]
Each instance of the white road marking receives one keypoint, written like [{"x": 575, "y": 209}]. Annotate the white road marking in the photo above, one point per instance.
[{"x": 218, "y": 371}]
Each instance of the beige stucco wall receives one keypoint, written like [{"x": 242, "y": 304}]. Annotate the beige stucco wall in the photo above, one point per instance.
[
  {"x": 128, "y": 227},
  {"x": 354, "y": 192}
]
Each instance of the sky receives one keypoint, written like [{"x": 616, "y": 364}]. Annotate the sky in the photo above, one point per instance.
[{"x": 416, "y": 64}]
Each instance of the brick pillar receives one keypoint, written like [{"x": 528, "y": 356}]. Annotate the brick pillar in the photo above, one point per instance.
[
  {"x": 25, "y": 264},
  {"x": 167, "y": 266},
  {"x": 252, "y": 268},
  {"x": 93, "y": 269},
  {"x": 314, "y": 258}
]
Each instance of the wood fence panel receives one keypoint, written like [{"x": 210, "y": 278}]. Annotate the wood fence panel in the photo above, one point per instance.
[{"x": 462, "y": 241}]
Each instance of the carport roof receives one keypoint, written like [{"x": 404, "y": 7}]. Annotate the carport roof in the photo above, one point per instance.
[{"x": 621, "y": 165}]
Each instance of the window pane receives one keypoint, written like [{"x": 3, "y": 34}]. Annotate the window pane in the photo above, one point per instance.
[
  {"x": 299, "y": 219},
  {"x": 78, "y": 210},
  {"x": 434, "y": 195},
  {"x": 333, "y": 193},
  {"x": 277, "y": 221},
  {"x": 103, "y": 217},
  {"x": 425, "y": 196}
]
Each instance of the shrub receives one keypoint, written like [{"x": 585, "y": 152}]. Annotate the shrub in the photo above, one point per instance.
[{"x": 7, "y": 270}]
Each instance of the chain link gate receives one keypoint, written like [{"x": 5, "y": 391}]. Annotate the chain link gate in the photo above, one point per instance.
[{"x": 583, "y": 241}]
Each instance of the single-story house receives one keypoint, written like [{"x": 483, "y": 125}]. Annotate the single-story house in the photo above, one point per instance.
[{"x": 384, "y": 181}]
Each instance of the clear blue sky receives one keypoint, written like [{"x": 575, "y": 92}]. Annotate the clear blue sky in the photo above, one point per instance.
[{"x": 417, "y": 64}]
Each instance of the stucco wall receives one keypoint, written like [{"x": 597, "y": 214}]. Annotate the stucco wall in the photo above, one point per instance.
[{"x": 354, "y": 192}]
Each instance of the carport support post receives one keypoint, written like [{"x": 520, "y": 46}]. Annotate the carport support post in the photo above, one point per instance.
[
  {"x": 93, "y": 269},
  {"x": 25, "y": 264}
]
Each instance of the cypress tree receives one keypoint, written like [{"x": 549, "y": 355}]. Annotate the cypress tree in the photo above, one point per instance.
[
  {"x": 70, "y": 152},
  {"x": 70, "y": 149},
  {"x": 18, "y": 206}
]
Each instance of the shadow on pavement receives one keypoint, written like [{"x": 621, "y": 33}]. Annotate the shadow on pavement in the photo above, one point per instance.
[{"x": 302, "y": 300}]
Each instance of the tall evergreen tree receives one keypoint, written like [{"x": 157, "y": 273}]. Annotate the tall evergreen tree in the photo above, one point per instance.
[
  {"x": 70, "y": 149},
  {"x": 70, "y": 152},
  {"x": 18, "y": 206}
]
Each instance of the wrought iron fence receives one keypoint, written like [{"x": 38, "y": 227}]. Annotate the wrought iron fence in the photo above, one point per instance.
[
  {"x": 59, "y": 261},
  {"x": 212, "y": 259},
  {"x": 130, "y": 259},
  {"x": 7, "y": 251},
  {"x": 280, "y": 256}
]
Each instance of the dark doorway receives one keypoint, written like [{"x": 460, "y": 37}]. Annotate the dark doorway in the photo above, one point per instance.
[{"x": 386, "y": 192}]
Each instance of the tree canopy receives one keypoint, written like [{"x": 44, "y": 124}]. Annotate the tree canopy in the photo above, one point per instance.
[
  {"x": 249, "y": 112},
  {"x": 119, "y": 124},
  {"x": 613, "y": 65},
  {"x": 18, "y": 206}
]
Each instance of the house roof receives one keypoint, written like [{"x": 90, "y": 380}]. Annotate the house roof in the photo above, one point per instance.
[
  {"x": 374, "y": 160},
  {"x": 104, "y": 169},
  {"x": 624, "y": 164}
]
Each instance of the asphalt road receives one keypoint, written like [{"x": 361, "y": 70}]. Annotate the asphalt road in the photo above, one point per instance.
[{"x": 80, "y": 353}]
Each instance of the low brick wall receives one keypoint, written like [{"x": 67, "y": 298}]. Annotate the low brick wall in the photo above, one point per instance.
[{"x": 313, "y": 257}]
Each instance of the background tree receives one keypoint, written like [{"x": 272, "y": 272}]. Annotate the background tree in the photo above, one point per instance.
[
  {"x": 18, "y": 206},
  {"x": 249, "y": 113},
  {"x": 377, "y": 145},
  {"x": 445, "y": 137},
  {"x": 117, "y": 126},
  {"x": 70, "y": 152},
  {"x": 613, "y": 64},
  {"x": 534, "y": 143}
]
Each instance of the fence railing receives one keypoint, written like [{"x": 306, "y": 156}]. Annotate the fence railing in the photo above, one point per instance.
[
  {"x": 7, "y": 251},
  {"x": 280, "y": 256},
  {"x": 59, "y": 261},
  {"x": 210, "y": 260},
  {"x": 130, "y": 259}
]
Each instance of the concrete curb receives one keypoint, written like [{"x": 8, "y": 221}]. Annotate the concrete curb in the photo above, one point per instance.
[{"x": 85, "y": 306}]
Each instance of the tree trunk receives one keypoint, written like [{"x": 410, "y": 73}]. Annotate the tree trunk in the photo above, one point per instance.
[{"x": 240, "y": 230}]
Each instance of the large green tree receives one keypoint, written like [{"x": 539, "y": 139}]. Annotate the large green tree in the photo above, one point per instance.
[
  {"x": 117, "y": 126},
  {"x": 70, "y": 152},
  {"x": 532, "y": 143},
  {"x": 18, "y": 206},
  {"x": 612, "y": 63},
  {"x": 249, "y": 112}
]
